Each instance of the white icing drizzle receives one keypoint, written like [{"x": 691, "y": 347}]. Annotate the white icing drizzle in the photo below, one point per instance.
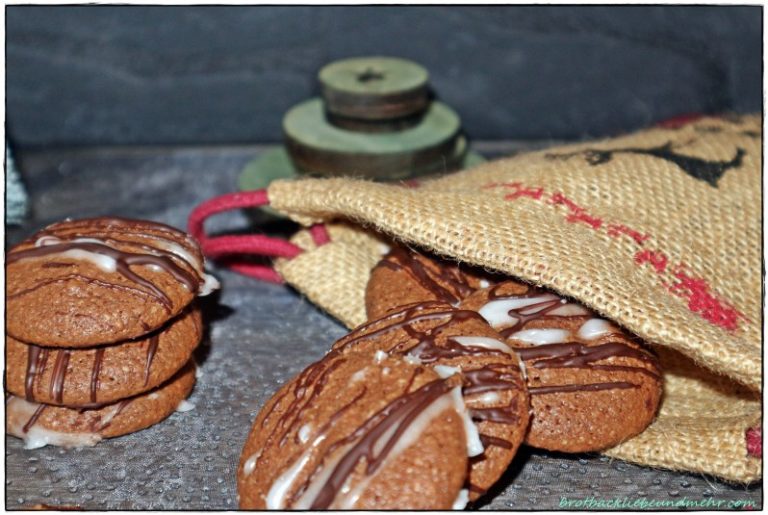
[
  {"x": 474, "y": 445},
  {"x": 541, "y": 336},
  {"x": 107, "y": 419},
  {"x": 357, "y": 376},
  {"x": 178, "y": 251},
  {"x": 484, "y": 283},
  {"x": 19, "y": 411},
  {"x": 105, "y": 263},
  {"x": 570, "y": 310},
  {"x": 210, "y": 284},
  {"x": 305, "y": 432},
  {"x": 594, "y": 328},
  {"x": 108, "y": 264},
  {"x": 497, "y": 314},
  {"x": 487, "y": 397},
  {"x": 482, "y": 341},
  {"x": 282, "y": 485},
  {"x": 461, "y": 500},
  {"x": 445, "y": 371},
  {"x": 349, "y": 495},
  {"x": 318, "y": 480},
  {"x": 384, "y": 248},
  {"x": 523, "y": 370},
  {"x": 250, "y": 464},
  {"x": 413, "y": 360},
  {"x": 185, "y": 406},
  {"x": 380, "y": 356}
]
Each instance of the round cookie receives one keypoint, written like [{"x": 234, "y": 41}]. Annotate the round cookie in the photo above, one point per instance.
[
  {"x": 357, "y": 431},
  {"x": 100, "y": 280},
  {"x": 405, "y": 276},
  {"x": 95, "y": 376},
  {"x": 41, "y": 424},
  {"x": 591, "y": 384},
  {"x": 442, "y": 337}
]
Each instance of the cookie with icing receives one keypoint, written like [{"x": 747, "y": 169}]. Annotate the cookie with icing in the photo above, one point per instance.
[
  {"x": 42, "y": 424},
  {"x": 406, "y": 276},
  {"x": 591, "y": 384},
  {"x": 80, "y": 283},
  {"x": 94, "y": 376},
  {"x": 439, "y": 336},
  {"x": 358, "y": 431}
]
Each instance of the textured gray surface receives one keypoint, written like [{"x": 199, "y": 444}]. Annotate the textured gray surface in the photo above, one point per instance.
[
  {"x": 165, "y": 74},
  {"x": 260, "y": 335}
]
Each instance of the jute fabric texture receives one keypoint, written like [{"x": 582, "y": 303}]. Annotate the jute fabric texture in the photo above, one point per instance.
[{"x": 658, "y": 231}]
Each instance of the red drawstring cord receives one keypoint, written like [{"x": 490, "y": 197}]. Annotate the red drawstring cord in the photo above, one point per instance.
[
  {"x": 319, "y": 234},
  {"x": 254, "y": 244}
]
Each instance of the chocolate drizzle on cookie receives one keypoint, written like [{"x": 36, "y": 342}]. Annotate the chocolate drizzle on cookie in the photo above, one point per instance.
[
  {"x": 59, "y": 374},
  {"x": 446, "y": 283},
  {"x": 36, "y": 359},
  {"x": 423, "y": 346},
  {"x": 33, "y": 419},
  {"x": 590, "y": 387},
  {"x": 312, "y": 378},
  {"x": 123, "y": 262},
  {"x": 98, "y": 359},
  {"x": 152, "y": 344},
  {"x": 365, "y": 442},
  {"x": 565, "y": 354},
  {"x": 99, "y": 426}
]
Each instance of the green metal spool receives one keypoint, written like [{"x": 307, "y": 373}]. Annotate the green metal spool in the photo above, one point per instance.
[{"x": 375, "y": 120}]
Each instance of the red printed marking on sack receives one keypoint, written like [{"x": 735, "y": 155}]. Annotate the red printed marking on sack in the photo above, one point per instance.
[
  {"x": 657, "y": 260},
  {"x": 577, "y": 213},
  {"x": 695, "y": 290},
  {"x": 520, "y": 191},
  {"x": 701, "y": 300},
  {"x": 616, "y": 230}
]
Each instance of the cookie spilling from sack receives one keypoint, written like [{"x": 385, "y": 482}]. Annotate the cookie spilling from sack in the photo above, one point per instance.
[
  {"x": 406, "y": 276},
  {"x": 446, "y": 339},
  {"x": 102, "y": 324},
  {"x": 88, "y": 282},
  {"x": 591, "y": 384},
  {"x": 357, "y": 430}
]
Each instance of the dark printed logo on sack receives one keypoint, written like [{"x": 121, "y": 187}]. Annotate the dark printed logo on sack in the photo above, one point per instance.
[{"x": 701, "y": 169}]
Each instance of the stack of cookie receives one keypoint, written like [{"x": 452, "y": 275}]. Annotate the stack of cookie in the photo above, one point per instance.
[
  {"x": 425, "y": 406},
  {"x": 101, "y": 325}
]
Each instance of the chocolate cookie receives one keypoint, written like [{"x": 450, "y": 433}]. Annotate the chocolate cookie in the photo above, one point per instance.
[
  {"x": 592, "y": 385},
  {"x": 41, "y": 424},
  {"x": 442, "y": 337},
  {"x": 357, "y": 431},
  {"x": 94, "y": 376},
  {"x": 101, "y": 280},
  {"x": 405, "y": 276}
]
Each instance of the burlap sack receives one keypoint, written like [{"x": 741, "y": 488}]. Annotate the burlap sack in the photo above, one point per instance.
[{"x": 658, "y": 231}]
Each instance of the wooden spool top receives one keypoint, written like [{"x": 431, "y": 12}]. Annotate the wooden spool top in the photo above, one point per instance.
[
  {"x": 307, "y": 125},
  {"x": 374, "y": 88}
]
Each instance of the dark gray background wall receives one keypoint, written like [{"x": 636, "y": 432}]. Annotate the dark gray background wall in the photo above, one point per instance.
[{"x": 150, "y": 75}]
